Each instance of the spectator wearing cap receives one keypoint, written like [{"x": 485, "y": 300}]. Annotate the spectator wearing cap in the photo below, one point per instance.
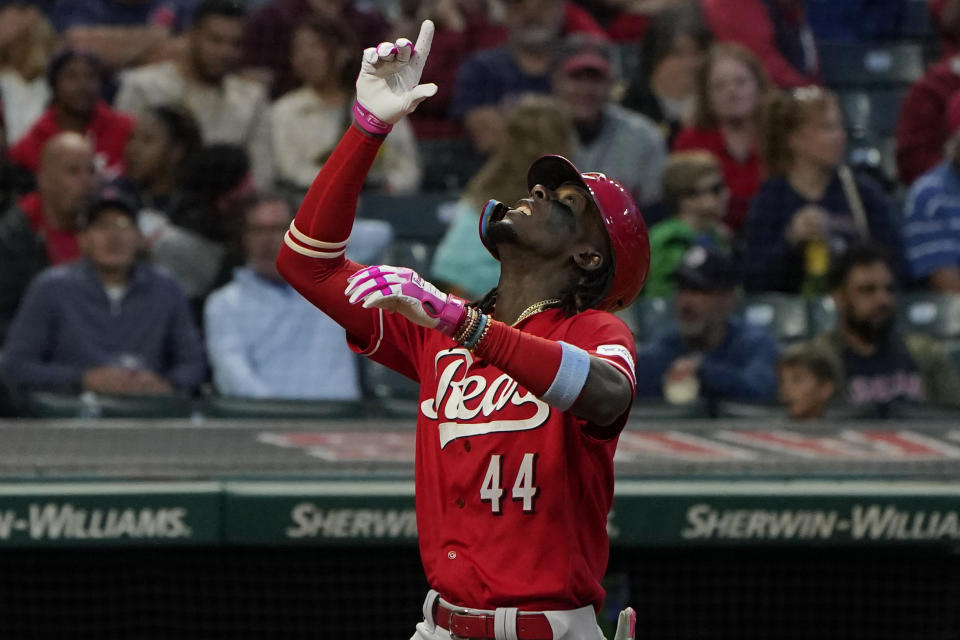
[
  {"x": 776, "y": 31},
  {"x": 623, "y": 144},
  {"x": 931, "y": 226},
  {"x": 264, "y": 339},
  {"x": 108, "y": 323},
  {"x": 881, "y": 366},
  {"x": 923, "y": 124},
  {"x": 76, "y": 81},
  {"x": 26, "y": 44},
  {"x": 708, "y": 354},
  {"x": 228, "y": 107},
  {"x": 490, "y": 81},
  {"x": 695, "y": 195},
  {"x": 123, "y": 33},
  {"x": 39, "y": 230}
]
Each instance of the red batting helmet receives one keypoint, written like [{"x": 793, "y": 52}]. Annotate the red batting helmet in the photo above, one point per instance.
[{"x": 621, "y": 218}]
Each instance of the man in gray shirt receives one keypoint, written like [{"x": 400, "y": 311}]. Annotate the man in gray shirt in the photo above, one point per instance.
[{"x": 623, "y": 144}]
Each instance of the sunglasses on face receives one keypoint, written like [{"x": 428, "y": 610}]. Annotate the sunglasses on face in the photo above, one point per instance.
[{"x": 717, "y": 189}]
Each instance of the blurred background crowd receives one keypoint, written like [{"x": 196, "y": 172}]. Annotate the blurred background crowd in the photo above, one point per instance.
[{"x": 797, "y": 162}]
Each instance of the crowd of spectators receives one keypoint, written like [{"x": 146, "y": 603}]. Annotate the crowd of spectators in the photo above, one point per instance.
[{"x": 153, "y": 153}]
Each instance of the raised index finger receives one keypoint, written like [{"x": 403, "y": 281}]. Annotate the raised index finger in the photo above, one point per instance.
[{"x": 424, "y": 40}]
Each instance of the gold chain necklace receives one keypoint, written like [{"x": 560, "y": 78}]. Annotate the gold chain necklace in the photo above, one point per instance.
[{"x": 536, "y": 307}]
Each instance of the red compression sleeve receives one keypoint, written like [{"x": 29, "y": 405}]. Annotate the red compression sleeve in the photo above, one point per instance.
[
  {"x": 329, "y": 208},
  {"x": 530, "y": 360},
  {"x": 326, "y": 218}
]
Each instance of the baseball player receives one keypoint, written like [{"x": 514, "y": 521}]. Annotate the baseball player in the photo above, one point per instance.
[{"x": 523, "y": 395}]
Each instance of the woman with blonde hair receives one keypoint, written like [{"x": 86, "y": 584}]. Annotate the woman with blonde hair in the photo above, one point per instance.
[
  {"x": 27, "y": 41},
  {"x": 535, "y": 125},
  {"x": 811, "y": 206},
  {"x": 731, "y": 87}
]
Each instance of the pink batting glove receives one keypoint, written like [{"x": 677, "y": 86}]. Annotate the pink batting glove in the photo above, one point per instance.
[{"x": 401, "y": 290}]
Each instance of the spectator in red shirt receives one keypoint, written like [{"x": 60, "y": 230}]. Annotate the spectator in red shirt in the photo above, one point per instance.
[
  {"x": 775, "y": 30},
  {"x": 922, "y": 127},
  {"x": 266, "y": 39},
  {"x": 39, "y": 230},
  {"x": 76, "y": 81},
  {"x": 730, "y": 91}
]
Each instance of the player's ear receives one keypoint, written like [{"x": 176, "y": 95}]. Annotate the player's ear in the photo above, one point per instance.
[{"x": 588, "y": 258}]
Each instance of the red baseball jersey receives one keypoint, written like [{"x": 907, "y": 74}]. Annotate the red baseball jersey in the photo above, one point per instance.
[{"x": 512, "y": 495}]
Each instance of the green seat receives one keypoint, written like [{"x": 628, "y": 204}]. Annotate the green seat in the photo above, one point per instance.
[
  {"x": 42, "y": 404},
  {"x": 731, "y": 409},
  {"x": 785, "y": 316},
  {"x": 281, "y": 409},
  {"x": 934, "y": 314},
  {"x": 417, "y": 216},
  {"x": 653, "y": 409},
  {"x": 823, "y": 314}
]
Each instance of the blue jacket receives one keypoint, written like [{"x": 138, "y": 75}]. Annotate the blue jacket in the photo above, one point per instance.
[
  {"x": 743, "y": 367},
  {"x": 66, "y": 324}
]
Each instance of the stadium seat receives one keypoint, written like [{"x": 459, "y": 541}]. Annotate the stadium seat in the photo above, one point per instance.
[
  {"x": 413, "y": 217},
  {"x": 822, "y": 313},
  {"x": 747, "y": 410},
  {"x": 42, "y": 404},
  {"x": 871, "y": 113},
  {"x": 234, "y": 407},
  {"x": 448, "y": 163},
  {"x": 865, "y": 65},
  {"x": 652, "y": 409},
  {"x": 933, "y": 314},
  {"x": 651, "y": 316},
  {"x": 410, "y": 253},
  {"x": 785, "y": 316},
  {"x": 394, "y": 394}
]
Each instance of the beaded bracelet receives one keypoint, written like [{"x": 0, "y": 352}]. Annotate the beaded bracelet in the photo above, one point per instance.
[
  {"x": 474, "y": 338},
  {"x": 483, "y": 334},
  {"x": 468, "y": 325}
]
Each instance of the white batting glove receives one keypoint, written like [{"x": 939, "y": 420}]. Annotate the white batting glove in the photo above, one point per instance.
[
  {"x": 388, "y": 85},
  {"x": 404, "y": 291},
  {"x": 626, "y": 625}
]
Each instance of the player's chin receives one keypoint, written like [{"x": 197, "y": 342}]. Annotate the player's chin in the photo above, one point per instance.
[{"x": 502, "y": 232}]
